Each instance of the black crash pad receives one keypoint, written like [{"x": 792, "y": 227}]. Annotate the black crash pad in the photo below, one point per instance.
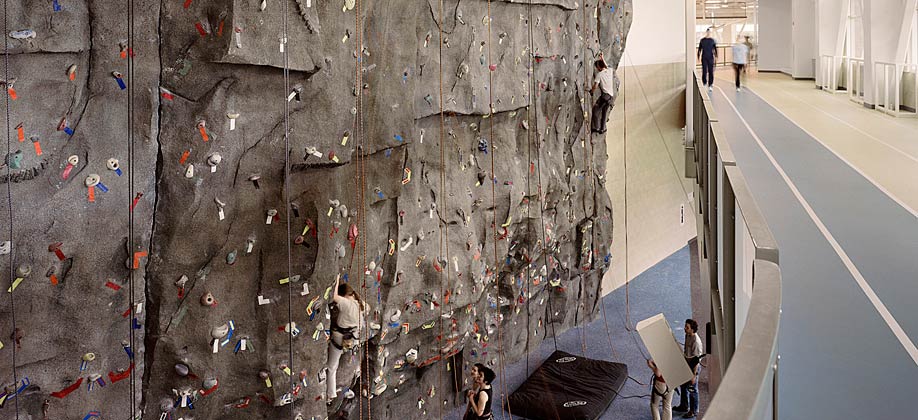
[{"x": 569, "y": 387}]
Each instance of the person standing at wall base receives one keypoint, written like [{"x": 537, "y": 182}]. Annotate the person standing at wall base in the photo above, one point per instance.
[
  {"x": 740, "y": 55},
  {"x": 707, "y": 53},
  {"x": 693, "y": 350},
  {"x": 660, "y": 392}
]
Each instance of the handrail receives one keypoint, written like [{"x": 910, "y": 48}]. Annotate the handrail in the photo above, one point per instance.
[
  {"x": 753, "y": 369},
  {"x": 766, "y": 247},
  {"x": 829, "y": 66},
  {"x": 728, "y": 216},
  {"x": 855, "y": 80}
]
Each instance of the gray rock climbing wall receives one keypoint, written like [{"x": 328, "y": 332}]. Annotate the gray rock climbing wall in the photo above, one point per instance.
[{"x": 457, "y": 267}]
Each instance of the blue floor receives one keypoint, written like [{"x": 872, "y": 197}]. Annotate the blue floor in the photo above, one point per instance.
[
  {"x": 839, "y": 358},
  {"x": 663, "y": 288}
]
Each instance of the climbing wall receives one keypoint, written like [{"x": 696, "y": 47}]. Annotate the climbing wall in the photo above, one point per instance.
[{"x": 192, "y": 278}]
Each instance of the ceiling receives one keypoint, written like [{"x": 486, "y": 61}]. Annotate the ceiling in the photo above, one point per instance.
[{"x": 723, "y": 9}]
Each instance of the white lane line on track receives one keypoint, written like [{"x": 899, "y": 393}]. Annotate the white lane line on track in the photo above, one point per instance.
[
  {"x": 840, "y": 157},
  {"x": 897, "y": 330}
]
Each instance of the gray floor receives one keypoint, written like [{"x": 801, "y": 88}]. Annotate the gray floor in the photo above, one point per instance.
[
  {"x": 839, "y": 358},
  {"x": 663, "y": 288}
]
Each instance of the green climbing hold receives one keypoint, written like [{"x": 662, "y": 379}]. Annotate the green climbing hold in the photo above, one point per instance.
[{"x": 14, "y": 160}]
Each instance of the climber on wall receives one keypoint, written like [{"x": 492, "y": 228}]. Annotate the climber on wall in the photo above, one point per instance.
[
  {"x": 345, "y": 332},
  {"x": 605, "y": 80}
]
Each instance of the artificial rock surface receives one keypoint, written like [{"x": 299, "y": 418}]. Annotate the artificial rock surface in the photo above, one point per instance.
[{"x": 430, "y": 250}]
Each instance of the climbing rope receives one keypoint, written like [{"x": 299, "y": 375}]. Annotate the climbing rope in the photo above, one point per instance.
[
  {"x": 586, "y": 110},
  {"x": 628, "y": 325},
  {"x": 130, "y": 129},
  {"x": 442, "y": 207},
  {"x": 287, "y": 208},
  {"x": 529, "y": 119},
  {"x": 535, "y": 127},
  {"x": 9, "y": 198},
  {"x": 602, "y": 305},
  {"x": 500, "y": 352},
  {"x": 362, "y": 239},
  {"x": 653, "y": 116}
]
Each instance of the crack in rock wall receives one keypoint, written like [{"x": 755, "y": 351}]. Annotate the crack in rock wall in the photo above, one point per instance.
[{"x": 209, "y": 255}]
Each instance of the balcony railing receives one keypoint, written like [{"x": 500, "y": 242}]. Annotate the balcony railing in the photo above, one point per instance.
[
  {"x": 739, "y": 262},
  {"x": 888, "y": 89},
  {"x": 855, "y": 79},
  {"x": 830, "y": 77}
]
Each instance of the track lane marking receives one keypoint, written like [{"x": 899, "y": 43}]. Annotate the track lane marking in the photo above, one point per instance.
[{"x": 878, "y": 304}]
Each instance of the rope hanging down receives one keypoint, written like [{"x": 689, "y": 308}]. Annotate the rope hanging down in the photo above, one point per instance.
[
  {"x": 9, "y": 198},
  {"x": 360, "y": 246},
  {"x": 442, "y": 207},
  {"x": 586, "y": 109},
  {"x": 131, "y": 244},
  {"x": 529, "y": 112},
  {"x": 500, "y": 351},
  {"x": 588, "y": 118},
  {"x": 628, "y": 325},
  {"x": 290, "y": 352},
  {"x": 534, "y": 126}
]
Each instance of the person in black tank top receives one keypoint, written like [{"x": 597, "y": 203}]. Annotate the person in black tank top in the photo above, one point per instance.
[{"x": 479, "y": 399}]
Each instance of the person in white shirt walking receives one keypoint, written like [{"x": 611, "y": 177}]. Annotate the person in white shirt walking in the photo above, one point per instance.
[
  {"x": 605, "y": 80},
  {"x": 740, "y": 57},
  {"x": 692, "y": 351}
]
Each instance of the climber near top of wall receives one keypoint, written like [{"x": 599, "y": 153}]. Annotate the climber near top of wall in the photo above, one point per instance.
[
  {"x": 345, "y": 332},
  {"x": 605, "y": 80},
  {"x": 479, "y": 398}
]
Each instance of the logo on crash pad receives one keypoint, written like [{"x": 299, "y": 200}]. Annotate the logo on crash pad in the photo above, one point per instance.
[
  {"x": 566, "y": 360},
  {"x": 570, "y": 404}
]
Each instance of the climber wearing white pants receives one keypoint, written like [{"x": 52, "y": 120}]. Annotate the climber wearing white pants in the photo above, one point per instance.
[{"x": 344, "y": 333}]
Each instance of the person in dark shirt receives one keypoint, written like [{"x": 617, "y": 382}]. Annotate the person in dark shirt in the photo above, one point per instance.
[
  {"x": 707, "y": 53},
  {"x": 479, "y": 399}
]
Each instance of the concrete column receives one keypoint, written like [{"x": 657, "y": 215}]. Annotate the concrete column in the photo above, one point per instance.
[
  {"x": 831, "y": 20},
  {"x": 689, "y": 70},
  {"x": 883, "y": 34},
  {"x": 775, "y": 36},
  {"x": 804, "y": 38}
]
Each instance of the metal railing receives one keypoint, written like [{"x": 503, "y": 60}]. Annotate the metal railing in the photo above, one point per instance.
[
  {"x": 739, "y": 261},
  {"x": 887, "y": 88},
  {"x": 829, "y": 66},
  {"x": 855, "y": 79}
]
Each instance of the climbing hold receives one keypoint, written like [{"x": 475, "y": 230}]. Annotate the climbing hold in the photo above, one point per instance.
[
  {"x": 207, "y": 299},
  {"x": 14, "y": 160},
  {"x": 182, "y": 369},
  {"x": 219, "y": 331},
  {"x": 23, "y": 34}
]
